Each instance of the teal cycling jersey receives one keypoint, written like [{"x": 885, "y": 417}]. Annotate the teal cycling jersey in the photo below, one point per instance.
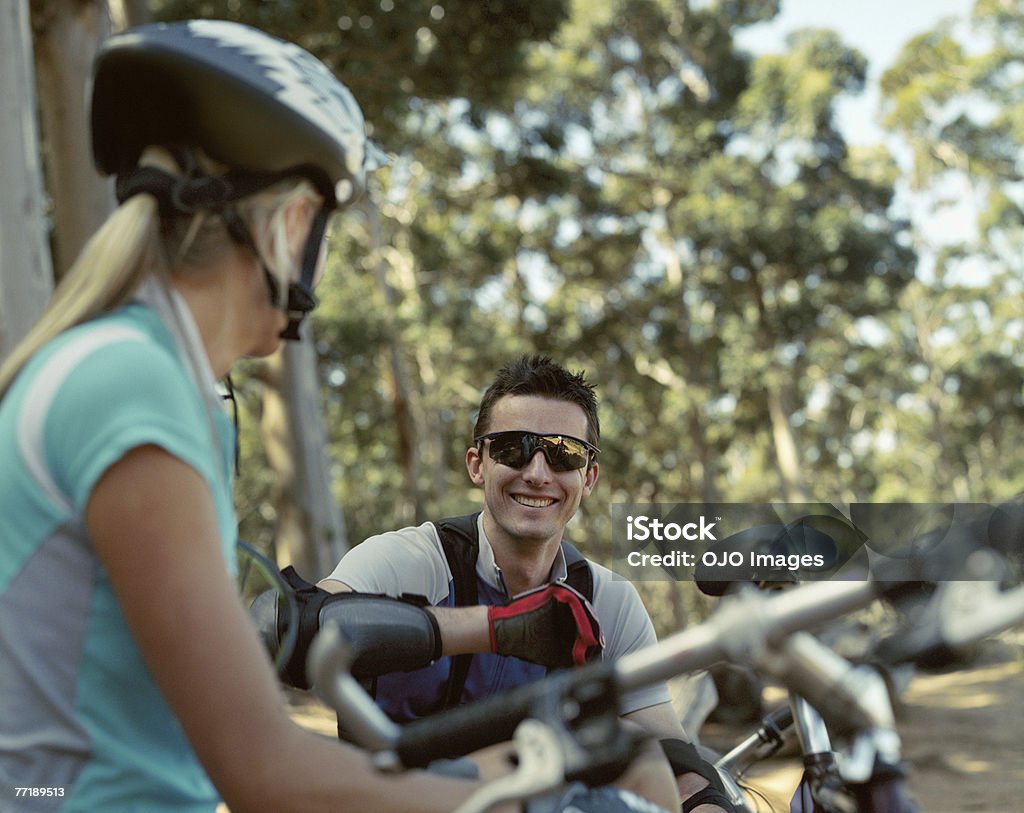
[{"x": 80, "y": 712}]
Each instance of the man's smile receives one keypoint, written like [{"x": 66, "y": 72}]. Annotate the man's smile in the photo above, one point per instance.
[{"x": 533, "y": 502}]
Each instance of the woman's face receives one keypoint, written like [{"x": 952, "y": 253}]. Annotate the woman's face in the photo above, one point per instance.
[{"x": 266, "y": 321}]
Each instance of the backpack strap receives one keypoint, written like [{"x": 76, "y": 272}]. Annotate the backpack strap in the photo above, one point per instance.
[
  {"x": 460, "y": 541},
  {"x": 578, "y": 573}
]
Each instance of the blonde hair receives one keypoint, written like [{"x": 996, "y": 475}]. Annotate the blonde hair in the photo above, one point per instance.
[{"x": 132, "y": 246}]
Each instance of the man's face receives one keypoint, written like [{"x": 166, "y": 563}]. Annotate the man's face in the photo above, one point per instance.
[{"x": 534, "y": 503}]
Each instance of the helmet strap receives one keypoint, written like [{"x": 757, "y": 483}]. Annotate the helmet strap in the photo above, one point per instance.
[
  {"x": 194, "y": 191},
  {"x": 300, "y": 299},
  {"x": 300, "y": 294}
]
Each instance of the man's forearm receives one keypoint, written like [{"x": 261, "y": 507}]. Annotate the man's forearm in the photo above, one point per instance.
[{"x": 463, "y": 629}]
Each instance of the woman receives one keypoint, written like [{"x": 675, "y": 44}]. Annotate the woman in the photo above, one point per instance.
[{"x": 131, "y": 676}]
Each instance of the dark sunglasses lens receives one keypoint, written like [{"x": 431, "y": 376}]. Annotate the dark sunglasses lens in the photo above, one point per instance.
[
  {"x": 516, "y": 449},
  {"x": 565, "y": 454},
  {"x": 508, "y": 448}
]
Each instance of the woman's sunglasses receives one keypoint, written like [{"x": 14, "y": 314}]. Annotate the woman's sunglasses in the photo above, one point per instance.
[{"x": 516, "y": 449}]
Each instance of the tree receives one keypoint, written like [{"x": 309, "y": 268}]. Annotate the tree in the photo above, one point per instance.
[
  {"x": 686, "y": 225},
  {"x": 310, "y": 532},
  {"x": 959, "y": 112},
  {"x": 719, "y": 224},
  {"x": 397, "y": 59},
  {"x": 957, "y": 106},
  {"x": 26, "y": 276},
  {"x": 67, "y": 35}
]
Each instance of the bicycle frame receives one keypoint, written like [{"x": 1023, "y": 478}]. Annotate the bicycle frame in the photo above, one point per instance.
[{"x": 765, "y": 741}]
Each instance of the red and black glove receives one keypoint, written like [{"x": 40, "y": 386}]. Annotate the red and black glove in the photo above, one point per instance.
[{"x": 554, "y": 626}]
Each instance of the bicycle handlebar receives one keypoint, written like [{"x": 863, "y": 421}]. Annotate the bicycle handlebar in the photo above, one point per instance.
[
  {"x": 743, "y": 623},
  {"x": 747, "y": 627}
]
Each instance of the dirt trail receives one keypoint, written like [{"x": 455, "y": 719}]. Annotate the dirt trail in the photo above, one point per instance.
[{"x": 962, "y": 733}]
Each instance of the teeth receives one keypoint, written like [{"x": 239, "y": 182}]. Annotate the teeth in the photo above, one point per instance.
[{"x": 534, "y": 502}]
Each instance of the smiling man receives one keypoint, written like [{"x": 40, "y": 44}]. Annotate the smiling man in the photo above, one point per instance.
[
  {"x": 510, "y": 596},
  {"x": 534, "y": 454}
]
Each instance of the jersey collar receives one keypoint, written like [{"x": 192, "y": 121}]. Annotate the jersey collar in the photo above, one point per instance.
[{"x": 488, "y": 570}]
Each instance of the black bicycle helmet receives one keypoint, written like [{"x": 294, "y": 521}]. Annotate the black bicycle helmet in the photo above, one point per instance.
[{"x": 264, "y": 107}]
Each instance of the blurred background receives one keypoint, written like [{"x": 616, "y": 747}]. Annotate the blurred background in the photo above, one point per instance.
[{"x": 793, "y": 272}]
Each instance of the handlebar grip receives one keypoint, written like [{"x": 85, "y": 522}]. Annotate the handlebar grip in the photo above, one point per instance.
[{"x": 565, "y": 696}]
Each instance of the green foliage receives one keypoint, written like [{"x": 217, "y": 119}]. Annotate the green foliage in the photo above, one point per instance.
[
  {"x": 956, "y": 101},
  {"x": 616, "y": 184},
  {"x": 391, "y": 51}
]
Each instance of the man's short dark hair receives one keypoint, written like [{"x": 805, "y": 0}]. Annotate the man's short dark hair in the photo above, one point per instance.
[{"x": 540, "y": 376}]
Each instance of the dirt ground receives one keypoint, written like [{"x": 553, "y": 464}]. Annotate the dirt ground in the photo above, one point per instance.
[{"x": 962, "y": 732}]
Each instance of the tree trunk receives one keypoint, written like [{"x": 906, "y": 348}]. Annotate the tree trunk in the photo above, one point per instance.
[
  {"x": 67, "y": 35},
  {"x": 784, "y": 439},
  {"x": 128, "y": 13},
  {"x": 404, "y": 393},
  {"x": 26, "y": 274},
  {"x": 787, "y": 453},
  {"x": 310, "y": 532}
]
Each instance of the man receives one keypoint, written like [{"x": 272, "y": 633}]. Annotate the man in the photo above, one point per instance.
[{"x": 534, "y": 454}]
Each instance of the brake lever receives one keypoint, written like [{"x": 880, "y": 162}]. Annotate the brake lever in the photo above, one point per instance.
[
  {"x": 595, "y": 747},
  {"x": 972, "y": 611},
  {"x": 541, "y": 769},
  {"x": 594, "y": 751}
]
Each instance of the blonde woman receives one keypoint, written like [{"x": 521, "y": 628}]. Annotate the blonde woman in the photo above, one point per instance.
[{"x": 130, "y": 675}]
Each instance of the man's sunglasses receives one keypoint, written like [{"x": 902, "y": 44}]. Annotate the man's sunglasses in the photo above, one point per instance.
[{"x": 516, "y": 449}]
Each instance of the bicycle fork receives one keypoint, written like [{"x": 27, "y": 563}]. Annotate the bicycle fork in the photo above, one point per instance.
[
  {"x": 767, "y": 740},
  {"x": 821, "y": 781}
]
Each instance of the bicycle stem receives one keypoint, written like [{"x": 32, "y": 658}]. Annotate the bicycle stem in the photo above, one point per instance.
[{"x": 851, "y": 699}]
